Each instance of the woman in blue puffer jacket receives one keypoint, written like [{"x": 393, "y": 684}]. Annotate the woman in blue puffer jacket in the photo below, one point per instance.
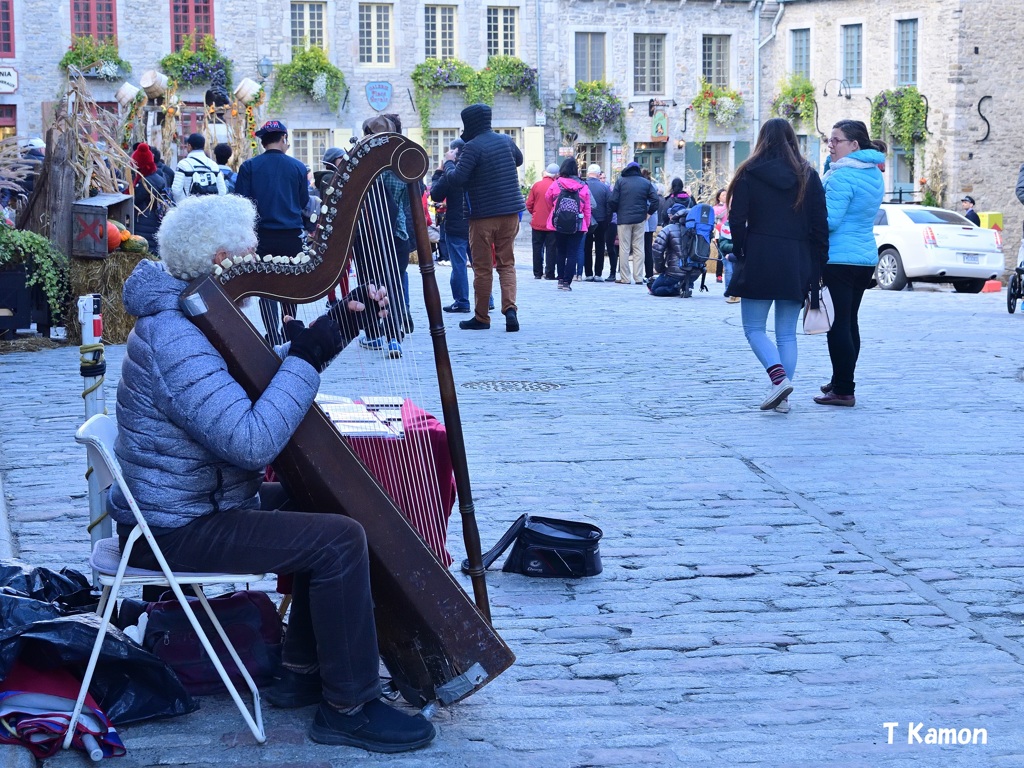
[{"x": 853, "y": 192}]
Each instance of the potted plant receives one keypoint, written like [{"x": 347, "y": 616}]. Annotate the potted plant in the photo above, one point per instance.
[
  {"x": 45, "y": 267},
  {"x": 203, "y": 65},
  {"x": 309, "y": 73},
  {"x": 901, "y": 115},
  {"x": 795, "y": 102},
  {"x": 714, "y": 102},
  {"x": 95, "y": 59},
  {"x": 430, "y": 78}
]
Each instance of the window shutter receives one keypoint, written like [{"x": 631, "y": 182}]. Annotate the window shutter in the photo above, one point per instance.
[
  {"x": 741, "y": 151},
  {"x": 694, "y": 168}
]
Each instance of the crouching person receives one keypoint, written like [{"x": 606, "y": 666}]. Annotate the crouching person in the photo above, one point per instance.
[
  {"x": 193, "y": 447},
  {"x": 668, "y": 256}
]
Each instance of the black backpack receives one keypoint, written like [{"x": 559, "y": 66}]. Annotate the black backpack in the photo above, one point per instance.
[
  {"x": 201, "y": 181},
  {"x": 568, "y": 211}
]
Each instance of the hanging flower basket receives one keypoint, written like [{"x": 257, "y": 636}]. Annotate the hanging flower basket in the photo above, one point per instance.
[
  {"x": 311, "y": 74},
  {"x": 900, "y": 115},
  {"x": 714, "y": 102},
  {"x": 795, "y": 102},
  {"x": 598, "y": 109}
]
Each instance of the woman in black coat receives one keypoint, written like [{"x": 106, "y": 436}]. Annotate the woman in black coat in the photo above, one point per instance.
[
  {"x": 150, "y": 196},
  {"x": 780, "y": 235}
]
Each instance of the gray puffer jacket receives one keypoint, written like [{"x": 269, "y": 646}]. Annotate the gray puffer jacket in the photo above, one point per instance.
[{"x": 190, "y": 441}]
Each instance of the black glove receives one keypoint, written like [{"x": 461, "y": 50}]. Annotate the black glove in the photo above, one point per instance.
[
  {"x": 318, "y": 344},
  {"x": 352, "y": 322}
]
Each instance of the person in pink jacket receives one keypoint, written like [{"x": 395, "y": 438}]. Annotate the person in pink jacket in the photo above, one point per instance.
[{"x": 569, "y": 198}]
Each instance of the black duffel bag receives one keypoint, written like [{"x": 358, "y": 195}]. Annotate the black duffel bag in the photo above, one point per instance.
[{"x": 546, "y": 546}]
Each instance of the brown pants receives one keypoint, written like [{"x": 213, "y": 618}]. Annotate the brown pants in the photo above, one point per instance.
[{"x": 495, "y": 235}]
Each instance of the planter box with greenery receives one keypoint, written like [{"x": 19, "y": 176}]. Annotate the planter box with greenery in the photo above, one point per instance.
[
  {"x": 311, "y": 74},
  {"x": 95, "y": 59},
  {"x": 714, "y": 102},
  {"x": 43, "y": 266},
  {"x": 900, "y": 116},
  {"x": 203, "y": 65},
  {"x": 597, "y": 109},
  {"x": 502, "y": 73}
]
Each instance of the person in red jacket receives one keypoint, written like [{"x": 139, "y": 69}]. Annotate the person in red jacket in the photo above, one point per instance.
[{"x": 543, "y": 235}]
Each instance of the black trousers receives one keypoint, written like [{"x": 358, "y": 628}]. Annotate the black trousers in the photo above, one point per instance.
[
  {"x": 648, "y": 255},
  {"x": 593, "y": 258},
  {"x": 611, "y": 236},
  {"x": 544, "y": 250},
  {"x": 331, "y": 621},
  {"x": 277, "y": 242},
  {"x": 846, "y": 283}
]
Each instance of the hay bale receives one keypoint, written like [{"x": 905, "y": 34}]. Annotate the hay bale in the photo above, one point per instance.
[{"x": 105, "y": 277}]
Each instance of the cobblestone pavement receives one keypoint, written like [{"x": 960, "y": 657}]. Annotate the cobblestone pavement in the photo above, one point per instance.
[{"x": 776, "y": 587}]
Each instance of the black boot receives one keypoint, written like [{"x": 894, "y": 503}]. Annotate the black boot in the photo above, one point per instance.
[
  {"x": 377, "y": 727},
  {"x": 511, "y": 321}
]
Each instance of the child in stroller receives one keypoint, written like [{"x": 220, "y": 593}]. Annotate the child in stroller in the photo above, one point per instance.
[{"x": 682, "y": 250}]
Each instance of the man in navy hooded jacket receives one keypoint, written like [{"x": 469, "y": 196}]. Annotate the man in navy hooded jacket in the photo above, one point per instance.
[{"x": 486, "y": 169}]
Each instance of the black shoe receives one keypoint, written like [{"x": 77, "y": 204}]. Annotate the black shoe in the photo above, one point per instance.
[
  {"x": 456, "y": 308},
  {"x": 549, "y": 277},
  {"x": 407, "y": 324},
  {"x": 377, "y": 727},
  {"x": 294, "y": 689},
  {"x": 511, "y": 321},
  {"x": 474, "y": 325},
  {"x": 538, "y": 277}
]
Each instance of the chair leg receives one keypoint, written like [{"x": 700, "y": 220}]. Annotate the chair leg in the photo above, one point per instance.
[
  {"x": 255, "y": 725},
  {"x": 108, "y": 600}
]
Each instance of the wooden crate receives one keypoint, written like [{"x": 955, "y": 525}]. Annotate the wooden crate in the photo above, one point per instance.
[{"x": 89, "y": 223}]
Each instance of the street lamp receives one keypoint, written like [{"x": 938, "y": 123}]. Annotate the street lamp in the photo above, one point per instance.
[
  {"x": 569, "y": 97},
  {"x": 264, "y": 66}
]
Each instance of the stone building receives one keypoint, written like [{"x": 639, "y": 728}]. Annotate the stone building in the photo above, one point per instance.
[
  {"x": 956, "y": 54},
  {"x": 651, "y": 53}
]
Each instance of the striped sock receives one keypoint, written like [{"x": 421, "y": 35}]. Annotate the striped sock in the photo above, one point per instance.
[{"x": 777, "y": 373}]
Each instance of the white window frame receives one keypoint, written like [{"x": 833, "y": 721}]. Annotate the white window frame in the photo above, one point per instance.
[
  {"x": 306, "y": 40},
  {"x": 504, "y": 13},
  {"x": 604, "y": 55},
  {"x": 792, "y": 51},
  {"x": 305, "y": 145},
  {"x": 440, "y": 43},
  {"x": 726, "y": 65},
  {"x": 379, "y": 55},
  {"x": 840, "y": 51},
  {"x": 896, "y": 24},
  {"x": 437, "y": 142},
  {"x": 666, "y": 67}
]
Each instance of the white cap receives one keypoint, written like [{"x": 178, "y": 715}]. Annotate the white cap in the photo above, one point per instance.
[{"x": 593, "y": 168}]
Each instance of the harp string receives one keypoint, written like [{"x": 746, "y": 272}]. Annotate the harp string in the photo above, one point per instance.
[{"x": 374, "y": 373}]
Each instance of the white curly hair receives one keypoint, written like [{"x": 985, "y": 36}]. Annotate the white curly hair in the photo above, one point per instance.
[{"x": 194, "y": 231}]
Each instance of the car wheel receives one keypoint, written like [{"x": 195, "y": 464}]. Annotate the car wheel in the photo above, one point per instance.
[
  {"x": 889, "y": 272},
  {"x": 969, "y": 286},
  {"x": 1013, "y": 293}
]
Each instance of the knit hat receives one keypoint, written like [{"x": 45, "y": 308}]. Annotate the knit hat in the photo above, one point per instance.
[
  {"x": 552, "y": 170},
  {"x": 144, "y": 161},
  {"x": 333, "y": 155}
]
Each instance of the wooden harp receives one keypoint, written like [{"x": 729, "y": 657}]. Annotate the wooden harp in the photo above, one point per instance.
[{"x": 436, "y": 643}]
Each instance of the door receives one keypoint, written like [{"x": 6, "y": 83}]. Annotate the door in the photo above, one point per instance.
[{"x": 651, "y": 158}]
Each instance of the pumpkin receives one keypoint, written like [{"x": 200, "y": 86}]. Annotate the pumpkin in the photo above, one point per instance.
[
  {"x": 135, "y": 244},
  {"x": 125, "y": 234},
  {"x": 113, "y": 237},
  {"x": 118, "y": 224}
]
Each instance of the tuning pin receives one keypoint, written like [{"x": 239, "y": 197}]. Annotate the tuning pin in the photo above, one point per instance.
[
  {"x": 227, "y": 263},
  {"x": 267, "y": 259},
  {"x": 329, "y": 190},
  {"x": 312, "y": 218},
  {"x": 218, "y": 271}
]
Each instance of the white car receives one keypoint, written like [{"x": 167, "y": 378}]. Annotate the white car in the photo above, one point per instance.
[{"x": 933, "y": 245}]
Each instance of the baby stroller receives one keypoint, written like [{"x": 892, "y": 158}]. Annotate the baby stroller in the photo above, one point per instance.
[
  {"x": 1015, "y": 288},
  {"x": 700, "y": 223}
]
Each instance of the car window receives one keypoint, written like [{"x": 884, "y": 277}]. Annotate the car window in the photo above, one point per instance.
[
  {"x": 933, "y": 216},
  {"x": 880, "y": 218}
]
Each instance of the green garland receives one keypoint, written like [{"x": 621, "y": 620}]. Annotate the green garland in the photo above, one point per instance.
[
  {"x": 502, "y": 73},
  {"x": 309, "y": 73},
  {"x": 795, "y": 101},
  {"x": 714, "y": 102},
  {"x": 46, "y": 266},
  {"x": 899, "y": 114},
  {"x": 188, "y": 67},
  {"x": 86, "y": 54}
]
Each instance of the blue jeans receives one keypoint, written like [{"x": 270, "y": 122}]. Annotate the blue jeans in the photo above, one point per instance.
[
  {"x": 457, "y": 247},
  {"x": 754, "y": 313},
  {"x": 727, "y": 267},
  {"x": 570, "y": 255}
]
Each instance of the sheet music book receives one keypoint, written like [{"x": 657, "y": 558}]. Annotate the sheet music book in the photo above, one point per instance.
[{"x": 377, "y": 402}]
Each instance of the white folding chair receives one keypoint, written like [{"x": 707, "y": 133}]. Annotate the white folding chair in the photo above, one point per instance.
[{"x": 111, "y": 565}]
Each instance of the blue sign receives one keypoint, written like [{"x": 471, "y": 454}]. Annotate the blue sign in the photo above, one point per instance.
[{"x": 379, "y": 93}]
